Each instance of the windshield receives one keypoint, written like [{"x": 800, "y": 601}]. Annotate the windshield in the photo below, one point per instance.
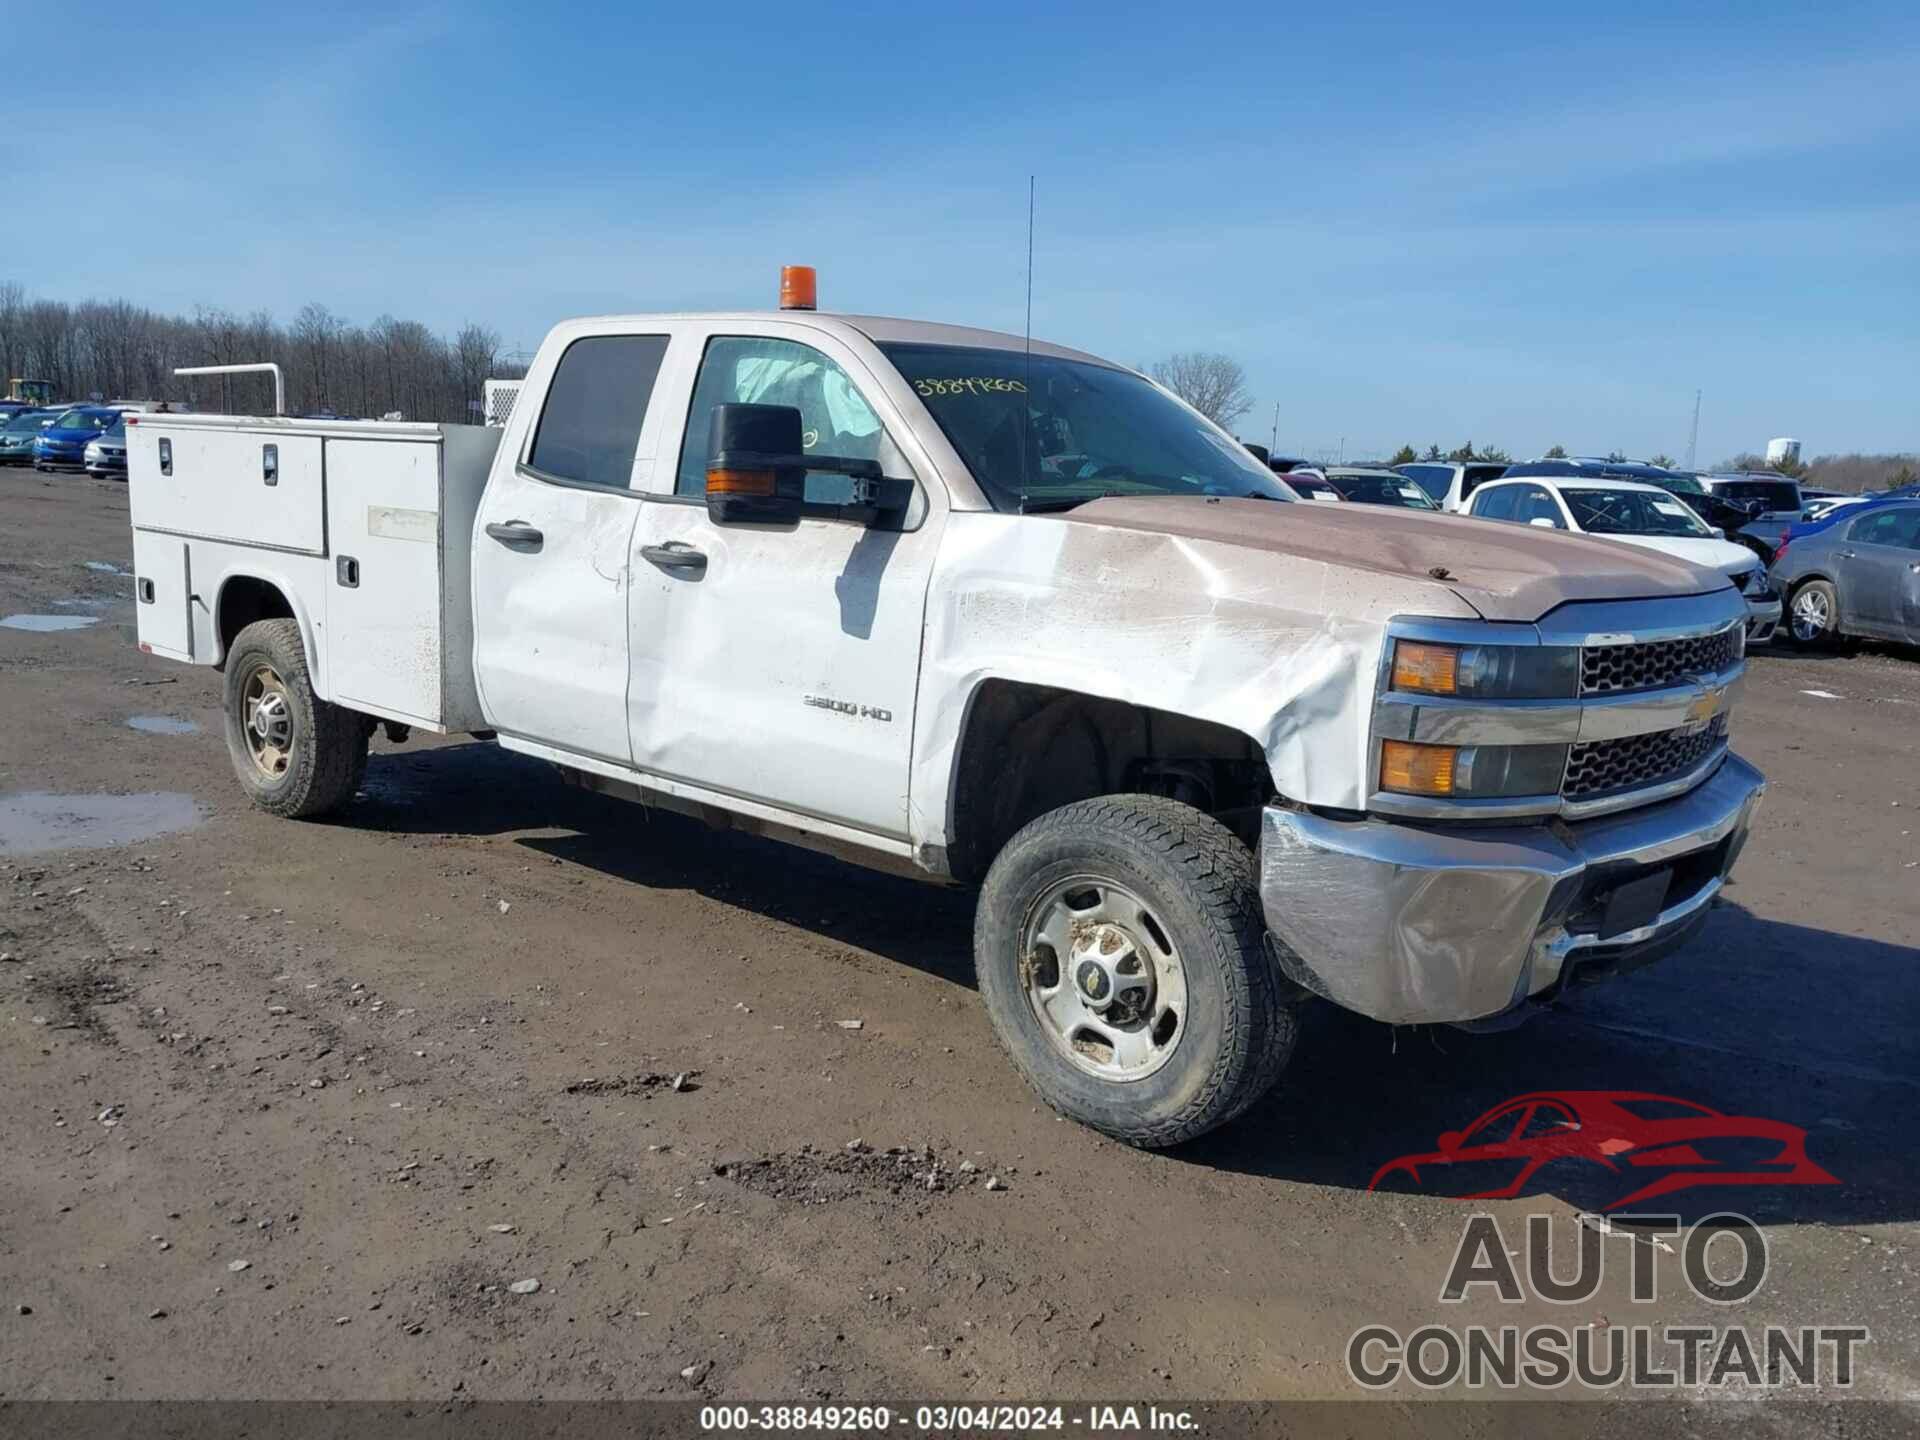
[
  {"x": 1680, "y": 484},
  {"x": 1040, "y": 432},
  {"x": 1630, "y": 512},
  {"x": 117, "y": 430},
  {"x": 1312, "y": 487},
  {"x": 1430, "y": 478},
  {"x": 27, "y": 422},
  {"x": 1384, "y": 490},
  {"x": 81, "y": 420}
]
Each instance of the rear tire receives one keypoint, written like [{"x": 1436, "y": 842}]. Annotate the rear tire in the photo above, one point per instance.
[
  {"x": 1150, "y": 908},
  {"x": 1813, "y": 616},
  {"x": 297, "y": 756}
]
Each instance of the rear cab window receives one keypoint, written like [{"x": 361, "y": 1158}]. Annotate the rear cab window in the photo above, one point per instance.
[{"x": 590, "y": 419}]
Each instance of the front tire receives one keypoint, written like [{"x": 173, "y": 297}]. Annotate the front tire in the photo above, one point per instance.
[
  {"x": 297, "y": 756},
  {"x": 1813, "y": 615},
  {"x": 1119, "y": 949}
]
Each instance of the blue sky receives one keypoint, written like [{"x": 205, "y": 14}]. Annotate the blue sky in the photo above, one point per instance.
[{"x": 1521, "y": 223}]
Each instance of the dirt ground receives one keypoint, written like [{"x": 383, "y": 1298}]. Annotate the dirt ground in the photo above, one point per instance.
[{"x": 290, "y": 1108}]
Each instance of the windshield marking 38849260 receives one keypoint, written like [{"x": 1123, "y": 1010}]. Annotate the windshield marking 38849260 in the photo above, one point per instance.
[{"x": 1044, "y": 433}]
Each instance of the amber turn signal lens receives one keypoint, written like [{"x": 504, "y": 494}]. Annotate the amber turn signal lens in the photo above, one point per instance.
[
  {"x": 1425, "y": 669},
  {"x": 797, "y": 287},
  {"x": 1409, "y": 769},
  {"x": 740, "y": 482}
]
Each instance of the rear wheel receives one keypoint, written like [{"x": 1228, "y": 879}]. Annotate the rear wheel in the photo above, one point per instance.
[
  {"x": 1813, "y": 615},
  {"x": 296, "y": 755},
  {"x": 1120, "y": 957}
]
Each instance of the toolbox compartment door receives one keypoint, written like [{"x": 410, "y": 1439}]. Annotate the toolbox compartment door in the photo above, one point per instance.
[
  {"x": 163, "y": 594},
  {"x": 385, "y": 645},
  {"x": 252, "y": 486}
]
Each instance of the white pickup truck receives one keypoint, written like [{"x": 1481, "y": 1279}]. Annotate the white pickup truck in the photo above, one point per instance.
[{"x": 1003, "y": 615}]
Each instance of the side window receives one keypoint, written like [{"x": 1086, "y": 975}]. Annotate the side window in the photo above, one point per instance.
[
  {"x": 591, "y": 421},
  {"x": 759, "y": 370},
  {"x": 1537, "y": 504},
  {"x": 1874, "y": 529},
  {"x": 1497, "y": 503}
]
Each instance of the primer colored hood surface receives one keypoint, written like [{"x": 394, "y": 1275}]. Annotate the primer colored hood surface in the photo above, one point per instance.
[{"x": 1506, "y": 572}]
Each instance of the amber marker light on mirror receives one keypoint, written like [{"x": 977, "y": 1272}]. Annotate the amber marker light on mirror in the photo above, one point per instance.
[{"x": 740, "y": 482}]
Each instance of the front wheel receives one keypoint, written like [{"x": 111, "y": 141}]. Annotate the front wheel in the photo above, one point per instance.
[
  {"x": 1120, "y": 955},
  {"x": 1813, "y": 615},
  {"x": 296, "y": 755}
]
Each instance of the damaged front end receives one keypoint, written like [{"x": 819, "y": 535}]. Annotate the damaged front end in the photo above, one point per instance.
[{"x": 1521, "y": 836}]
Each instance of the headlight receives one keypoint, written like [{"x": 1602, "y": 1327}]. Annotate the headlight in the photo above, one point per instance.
[
  {"x": 1471, "y": 772},
  {"x": 1487, "y": 672}
]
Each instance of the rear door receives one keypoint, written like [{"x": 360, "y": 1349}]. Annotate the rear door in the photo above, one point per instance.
[
  {"x": 780, "y": 663},
  {"x": 550, "y": 547}
]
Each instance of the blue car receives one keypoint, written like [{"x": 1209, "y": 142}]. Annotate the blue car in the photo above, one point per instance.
[{"x": 63, "y": 444}]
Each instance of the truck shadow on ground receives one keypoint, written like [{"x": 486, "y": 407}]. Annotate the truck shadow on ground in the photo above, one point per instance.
[
  {"x": 1759, "y": 1017},
  {"x": 480, "y": 789}
]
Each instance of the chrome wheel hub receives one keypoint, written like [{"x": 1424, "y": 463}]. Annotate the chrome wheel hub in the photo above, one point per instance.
[
  {"x": 268, "y": 723},
  {"x": 1103, "y": 979}
]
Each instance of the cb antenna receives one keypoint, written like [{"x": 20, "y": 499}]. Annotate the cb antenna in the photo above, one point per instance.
[
  {"x": 1027, "y": 355},
  {"x": 1029, "y": 336}
]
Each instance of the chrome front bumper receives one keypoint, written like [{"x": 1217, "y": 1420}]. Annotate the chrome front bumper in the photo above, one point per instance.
[{"x": 1422, "y": 924}]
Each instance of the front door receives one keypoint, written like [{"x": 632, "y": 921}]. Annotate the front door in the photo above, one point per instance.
[
  {"x": 781, "y": 663},
  {"x": 1875, "y": 560},
  {"x": 550, "y": 549}
]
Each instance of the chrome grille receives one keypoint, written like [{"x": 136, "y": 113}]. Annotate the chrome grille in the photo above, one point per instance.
[
  {"x": 1610, "y": 669},
  {"x": 1607, "y": 767}
]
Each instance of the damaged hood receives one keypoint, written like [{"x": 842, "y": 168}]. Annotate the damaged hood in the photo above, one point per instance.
[{"x": 1504, "y": 571}]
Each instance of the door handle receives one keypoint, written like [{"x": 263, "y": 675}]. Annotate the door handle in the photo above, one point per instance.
[
  {"x": 516, "y": 532},
  {"x": 675, "y": 555},
  {"x": 1846, "y": 555},
  {"x": 1913, "y": 567}
]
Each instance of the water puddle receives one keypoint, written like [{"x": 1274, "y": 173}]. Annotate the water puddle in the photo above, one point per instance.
[
  {"x": 162, "y": 725},
  {"x": 40, "y": 822},
  {"x": 47, "y": 623}
]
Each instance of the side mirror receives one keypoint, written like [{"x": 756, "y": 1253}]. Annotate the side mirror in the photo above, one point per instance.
[
  {"x": 1717, "y": 532},
  {"x": 757, "y": 471},
  {"x": 1541, "y": 522},
  {"x": 1450, "y": 1142},
  {"x": 756, "y": 465}
]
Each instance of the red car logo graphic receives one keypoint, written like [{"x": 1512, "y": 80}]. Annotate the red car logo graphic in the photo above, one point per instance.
[{"x": 1676, "y": 1144}]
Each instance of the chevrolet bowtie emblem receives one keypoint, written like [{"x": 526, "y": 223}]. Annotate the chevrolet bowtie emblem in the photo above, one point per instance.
[{"x": 1704, "y": 707}]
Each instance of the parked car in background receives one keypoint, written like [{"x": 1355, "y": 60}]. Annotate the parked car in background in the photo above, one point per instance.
[
  {"x": 63, "y": 444},
  {"x": 1285, "y": 464},
  {"x": 19, "y": 430},
  {"x": 1765, "y": 496},
  {"x": 1635, "y": 514},
  {"x": 1857, "y": 576},
  {"x": 1449, "y": 484},
  {"x": 1372, "y": 485},
  {"x": 1310, "y": 483},
  {"x": 107, "y": 456},
  {"x": 1820, "y": 509}
]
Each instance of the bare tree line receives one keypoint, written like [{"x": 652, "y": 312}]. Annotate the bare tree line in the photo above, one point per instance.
[{"x": 117, "y": 350}]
